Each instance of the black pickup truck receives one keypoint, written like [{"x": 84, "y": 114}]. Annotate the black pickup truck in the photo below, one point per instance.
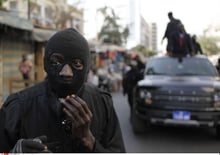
[{"x": 177, "y": 91}]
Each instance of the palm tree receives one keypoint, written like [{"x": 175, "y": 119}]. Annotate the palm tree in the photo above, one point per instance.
[{"x": 111, "y": 31}]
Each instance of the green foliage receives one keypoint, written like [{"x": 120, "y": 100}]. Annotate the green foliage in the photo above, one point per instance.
[
  {"x": 1, "y": 3},
  {"x": 125, "y": 34},
  {"x": 209, "y": 45},
  {"x": 111, "y": 31},
  {"x": 146, "y": 52}
]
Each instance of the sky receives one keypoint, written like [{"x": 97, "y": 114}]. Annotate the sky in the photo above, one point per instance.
[{"x": 196, "y": 15}]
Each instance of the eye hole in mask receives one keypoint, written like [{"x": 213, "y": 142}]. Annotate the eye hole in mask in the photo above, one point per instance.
[
  {"x": 57, "y": 60},
  {"x": 55, "y": 63},
  {"x": 77, "y": 64}
]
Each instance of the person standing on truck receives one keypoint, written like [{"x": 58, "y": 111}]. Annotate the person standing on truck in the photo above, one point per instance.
[{"x": 172, "y": 26}]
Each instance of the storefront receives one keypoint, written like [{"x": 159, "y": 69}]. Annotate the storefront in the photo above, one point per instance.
[{"x": 15, "y": 40}]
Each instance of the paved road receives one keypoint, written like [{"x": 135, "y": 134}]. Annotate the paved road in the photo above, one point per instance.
[{"x": 164, "y": 139}]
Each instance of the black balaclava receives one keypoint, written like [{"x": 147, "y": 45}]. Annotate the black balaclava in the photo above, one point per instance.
[{"x": 72, "y": 45}]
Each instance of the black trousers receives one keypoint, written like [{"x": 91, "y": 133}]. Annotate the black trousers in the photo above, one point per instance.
[{"x": 26, "y": 77}]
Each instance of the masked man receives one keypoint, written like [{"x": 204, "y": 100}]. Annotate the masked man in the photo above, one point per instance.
[{"x": 63, "y": 113}]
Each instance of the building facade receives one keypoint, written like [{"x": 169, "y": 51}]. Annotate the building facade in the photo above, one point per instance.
[
  {"x": 153, "y": 37},
  {"x": 47, "y": 14},
  {"x": 14, "y": 42},
  {"x": 25, "y": 27},
  {"x": 144, "y": 33},
  {"x": 141, "y": 32}
]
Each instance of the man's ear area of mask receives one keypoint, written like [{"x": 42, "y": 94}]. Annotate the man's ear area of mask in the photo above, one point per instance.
[
  {"x": 88, "y": 69},
  {"x": 47, "y": 60}
]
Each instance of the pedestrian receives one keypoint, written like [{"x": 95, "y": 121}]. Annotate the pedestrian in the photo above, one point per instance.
[
  {"x": 130, "y": 79},
  {"x": 93, "y": 77},
  {"x": 180, "y": 42},
  {"x": 172, "y": 26},
  {"x": 25, "y": 67},
  {"x": 196, "y": 45},
  {"x": 218, "y": 65},
  {"x": 140, "y": 64},
  {"x": 63, "y": 113}
]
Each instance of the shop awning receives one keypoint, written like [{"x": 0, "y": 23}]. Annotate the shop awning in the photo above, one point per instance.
[
  {"x": 42, "y": 35},
  {"x": 110, "y": 47},
  {"x": 10, "y": 19}
]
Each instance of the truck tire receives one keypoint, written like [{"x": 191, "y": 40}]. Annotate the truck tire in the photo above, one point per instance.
[{"x": 139, "y": 126}]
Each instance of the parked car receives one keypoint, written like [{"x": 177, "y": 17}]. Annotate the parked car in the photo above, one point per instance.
[{"x": 177, "y": 91}]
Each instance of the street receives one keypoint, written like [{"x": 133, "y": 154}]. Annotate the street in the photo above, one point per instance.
[{"x": 163, "y": 139}]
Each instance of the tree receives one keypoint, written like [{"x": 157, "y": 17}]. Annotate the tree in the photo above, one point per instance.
[
  {"x": 143, "y": 50},
  {"x": 125, "y": 34},
  {"x": 209, "y": 44},
  {"x": 146, "y": 52},
  {"x": 62, "y": 18},
  {"x": 1, "y": 4},
  {"x": 111, "y": 31}
]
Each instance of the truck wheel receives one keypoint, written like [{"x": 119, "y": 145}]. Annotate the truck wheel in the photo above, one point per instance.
[{"x": 139, "y": 126}]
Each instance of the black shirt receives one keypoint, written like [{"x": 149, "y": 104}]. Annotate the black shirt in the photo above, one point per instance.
[{"x": 36, "y": 111}]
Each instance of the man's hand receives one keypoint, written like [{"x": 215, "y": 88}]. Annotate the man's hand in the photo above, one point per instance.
[
  {"x": 79, "y": 113},
  {"x": 31, "y": 145}
]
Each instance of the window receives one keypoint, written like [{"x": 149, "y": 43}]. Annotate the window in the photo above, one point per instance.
[
  {"x": 13, "y": 5},
  {"x": 189, "y": 66}
]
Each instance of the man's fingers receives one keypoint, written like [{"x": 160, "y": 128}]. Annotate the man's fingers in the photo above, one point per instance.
[
  {"x": 84, "y": 105},
  {"x": 77, "y": 105},
  {"x": 69, "y": 109},
  {"x": 77, "y": 110},
  {"x": 30, "y": 144},
  {"x": 75, "y": 117},
  {"x": 83, "y": 114},
  {"x": 68, "y": 113},
  {"x": 66, "y": 105},
  {"x": 42, "y": 138}
]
